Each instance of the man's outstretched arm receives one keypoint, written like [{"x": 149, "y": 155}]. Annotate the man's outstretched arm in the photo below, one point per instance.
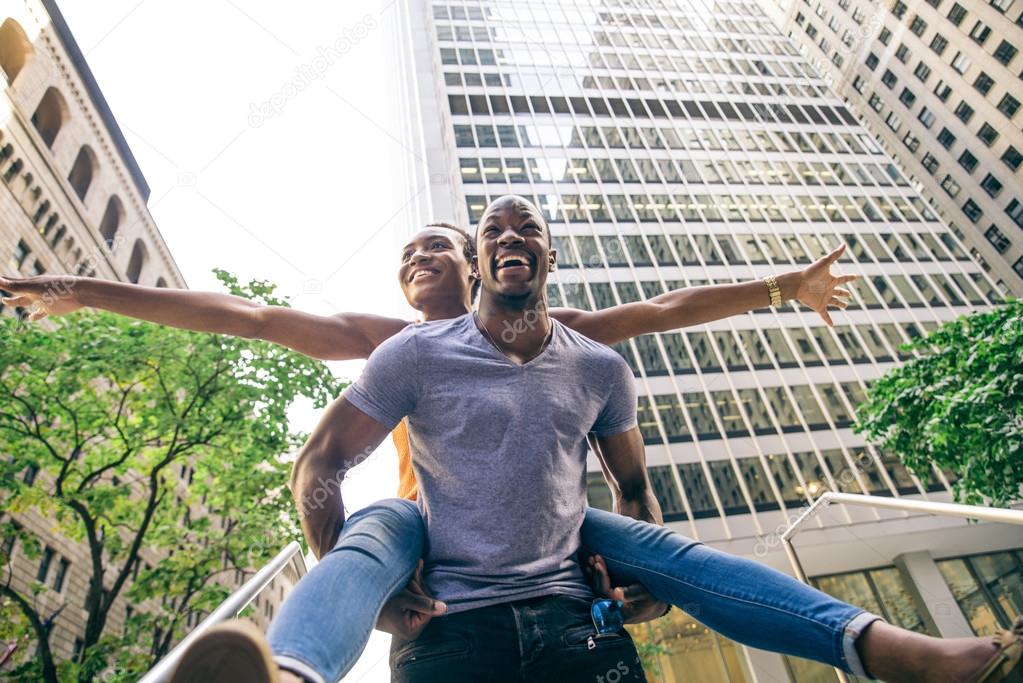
[
  {"x": 342, "y": 439},
  {"x": 339, "y": 337},
  {"x": 814, "y": 286}
]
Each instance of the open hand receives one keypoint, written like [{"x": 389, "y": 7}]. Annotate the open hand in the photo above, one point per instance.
[
  {"x": 407, "y": 613},
  {"x": 818, "y": 288},
  {"x": 42, "y": 295},
  {"x": 638, "y": 605}
]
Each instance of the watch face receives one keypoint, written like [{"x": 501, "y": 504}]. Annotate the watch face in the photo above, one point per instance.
[{"x": 607, "y": 616}]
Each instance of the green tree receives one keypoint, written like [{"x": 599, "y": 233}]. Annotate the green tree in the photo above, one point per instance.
[
  {"x": 130, "y": 430},
  {"x": 958, "y": 405}
]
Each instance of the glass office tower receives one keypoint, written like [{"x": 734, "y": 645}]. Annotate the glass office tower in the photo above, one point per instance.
[{"x": 679, "y": 143}]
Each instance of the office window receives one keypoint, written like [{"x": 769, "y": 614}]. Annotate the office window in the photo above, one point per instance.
[
  {"x": 58, "y": 580},
  {"x": 1008, "y": 105},
  {"x": 859, "y": 84},
  {"x": 902, "y": 53},
  {"x": 926, "y": 117},
  {"x": 950, "y": 186},
  {"x": 968, "y": 161},
  {"x": 1005, "y": 52},
  {"x": 964, "y": 112},
  {"x": 893, "y": 121},
  {"x": 987, "y": 134},
  {"x": 1012, "y": 158},
  {"x": 917, "y": 26},
  {"x": 983, "y": 82},
  {"x": 907, "y": 97},
  {"x": 899, "y": 9},
  {"x": 889, "y": 79},
  {"x": 980, "y": 32},
  {"x": 44, "y": 564},
  {"x": 972, "y": 211},
  {"x": 911, "y": 141},
  {"x": 1002, "y": 6},
  {"x": 875, "y": 102},
  {"x": 922, "y": 71},
  {"x": 939, "y": 43},
  {"x": 997, "y": 239},
  {"x": 943, "y": 90},
  {"x": 991, "y": 185},
  {"x": 957, "y": 14},
  {"x": 20, "y": 255},
  {"x": 961, "y": 62},
  {"x": 946, "y": 138},
  {"x": 930, "y": 163},
  {"x": 871, "y": 61},
  {"x": 1015, "y": 212},
  {"x": 885, "y": 36},
  {"x": 1018, "y": 266}
]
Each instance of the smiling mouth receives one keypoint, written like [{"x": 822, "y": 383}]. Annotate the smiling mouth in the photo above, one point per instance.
[
  {"x": 423, "y": 272},
  {"x": 512, "y": 261}
]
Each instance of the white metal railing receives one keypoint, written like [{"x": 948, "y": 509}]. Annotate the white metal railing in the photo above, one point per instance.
[
  {"x": 985, "y": 514},
  {"x": 235, "y": 603}
]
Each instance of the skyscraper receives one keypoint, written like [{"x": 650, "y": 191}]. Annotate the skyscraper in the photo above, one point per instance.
[
  {"x": 677, "y": 143},
  {"x": 935, "y": 71}
]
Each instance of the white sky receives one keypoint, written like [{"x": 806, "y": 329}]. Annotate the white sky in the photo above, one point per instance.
[{"x": 302, "y": 199}]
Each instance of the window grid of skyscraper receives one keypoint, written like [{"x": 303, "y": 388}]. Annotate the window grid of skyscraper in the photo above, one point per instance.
[{"x": 677, "y": 144}]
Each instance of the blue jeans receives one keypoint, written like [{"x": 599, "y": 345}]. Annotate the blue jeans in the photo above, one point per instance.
[{"x": 325, "y": 623}]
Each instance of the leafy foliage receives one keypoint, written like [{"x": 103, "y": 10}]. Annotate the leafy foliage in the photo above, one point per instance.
[
  {"x": 137, "y": 432},
  {"x": 959, "y": 405}
]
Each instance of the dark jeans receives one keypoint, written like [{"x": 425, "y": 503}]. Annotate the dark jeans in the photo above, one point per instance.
[{"x": 542, "y": 639}]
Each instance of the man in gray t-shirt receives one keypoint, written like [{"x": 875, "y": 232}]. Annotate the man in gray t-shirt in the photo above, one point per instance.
[
  {"x": 499, "y": 450},
  {"x": 498, "y": 434}
]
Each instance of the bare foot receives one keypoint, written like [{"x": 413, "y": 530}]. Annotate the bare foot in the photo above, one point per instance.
[{"x": 897, "y": 655}]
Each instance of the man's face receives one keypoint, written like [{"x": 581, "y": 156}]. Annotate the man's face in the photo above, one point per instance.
[
  {"x": 434, "y": 267},
  {"x": 514, "y": 251}
]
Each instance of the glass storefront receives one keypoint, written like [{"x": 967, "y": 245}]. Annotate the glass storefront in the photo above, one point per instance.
[
  {"x": 679, "y": 648},
  {"x": 988, "y": 588},
  {"x": 881, "y": 591}
]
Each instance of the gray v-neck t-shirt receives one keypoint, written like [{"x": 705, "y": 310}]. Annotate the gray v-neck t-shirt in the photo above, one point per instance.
[{"x": 499, "y": 451}]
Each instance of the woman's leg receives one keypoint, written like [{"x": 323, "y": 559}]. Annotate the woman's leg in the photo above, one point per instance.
[
  {"x": 741, "y": 599},
  {"x": 325, "y": 623}
]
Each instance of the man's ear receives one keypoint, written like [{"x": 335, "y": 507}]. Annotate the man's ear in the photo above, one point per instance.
[
  {"x": 552, "y": 260},
  {"x": 474, "y": 267}
]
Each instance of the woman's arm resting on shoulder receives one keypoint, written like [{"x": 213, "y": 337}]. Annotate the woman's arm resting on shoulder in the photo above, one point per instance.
[{"x": 340, "y": 337}]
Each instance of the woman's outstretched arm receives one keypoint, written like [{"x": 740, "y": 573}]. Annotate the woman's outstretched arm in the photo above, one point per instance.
[{"x": 344, "y": 336}]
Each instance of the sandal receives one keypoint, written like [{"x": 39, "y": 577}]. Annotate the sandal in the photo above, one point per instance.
[{"x": 1007, "y": 660}]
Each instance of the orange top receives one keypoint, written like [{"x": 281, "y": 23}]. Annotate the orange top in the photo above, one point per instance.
[{"x": 407, "y": 487}]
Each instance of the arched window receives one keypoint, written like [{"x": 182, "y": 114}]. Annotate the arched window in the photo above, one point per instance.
[
  {"x": 15, "y": 48},
  {"x": 160, "y": 282},
  {"x": 81, "y": 173},
  {"x": 138, "y": 259},
  {"x": 111, "y": 220},
  {"x": 50, "y": 115}
]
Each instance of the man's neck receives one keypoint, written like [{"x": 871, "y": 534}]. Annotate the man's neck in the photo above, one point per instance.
[{"x": 518, "y": 332}]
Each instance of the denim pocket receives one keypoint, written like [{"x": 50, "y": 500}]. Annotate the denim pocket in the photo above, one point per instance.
[
  {"x": 581, "y": 636},
  {"x": 417, "y": 652}
]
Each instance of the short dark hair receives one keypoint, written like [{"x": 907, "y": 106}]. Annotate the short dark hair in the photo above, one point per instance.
[{"x": 468, "y": 248}]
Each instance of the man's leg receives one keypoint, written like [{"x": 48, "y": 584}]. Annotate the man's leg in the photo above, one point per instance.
[
  {"x": 542, "y": 640},
  {"x": 478, "y": 645},
  {"x": 325, "y": 623},
  {"x": 764, "y": 608},
  {"x": 566, "y": 650}
]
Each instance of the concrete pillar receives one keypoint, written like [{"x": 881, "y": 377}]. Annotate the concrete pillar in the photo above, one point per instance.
[
  {"x": 764, "y": 667},
  {"x": 932, "y": 595}
]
